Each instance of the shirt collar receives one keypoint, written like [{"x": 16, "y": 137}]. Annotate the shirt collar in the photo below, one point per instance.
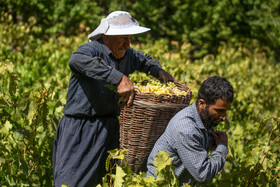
[{"x": 106, "y": 50}]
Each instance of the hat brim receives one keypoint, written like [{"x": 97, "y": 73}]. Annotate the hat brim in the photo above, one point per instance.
[{"x": 126, "y": 31}]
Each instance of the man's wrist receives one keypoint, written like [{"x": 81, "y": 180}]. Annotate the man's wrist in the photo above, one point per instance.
[{"x": 154, "y": 71}]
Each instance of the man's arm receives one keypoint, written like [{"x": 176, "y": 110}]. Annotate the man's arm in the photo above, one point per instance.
[
  {"x": 151, "y": 66},
  {"x": 84, "y": 62},
  {"x": 195, "y": 157}
]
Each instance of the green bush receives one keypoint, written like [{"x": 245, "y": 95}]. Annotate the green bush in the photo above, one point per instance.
[
  {"x": 122, "y": 175},
  {"x": 27, "y": 131},
  {"x": 203, "y": 23},
  {"x": 55, "y": 17}
]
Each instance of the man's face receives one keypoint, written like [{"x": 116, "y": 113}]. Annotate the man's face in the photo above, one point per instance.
[
  {"x": 117, "y": 44},
  {"x": 212, "y": 115}
]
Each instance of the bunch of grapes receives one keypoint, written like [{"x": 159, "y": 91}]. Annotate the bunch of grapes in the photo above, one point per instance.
[{"x": 158, "y": 88}]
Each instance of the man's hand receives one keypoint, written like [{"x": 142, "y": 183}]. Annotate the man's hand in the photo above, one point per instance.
[
  {"x": 219, "y": 137},
  {"x": 165, "y": 77},
  {"x": 126, "y": 90}
]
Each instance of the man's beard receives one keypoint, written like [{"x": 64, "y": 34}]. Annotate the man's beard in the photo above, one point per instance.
[{"x": 206, "y": 118}]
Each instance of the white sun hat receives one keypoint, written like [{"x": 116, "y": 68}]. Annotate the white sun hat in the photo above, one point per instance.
[{"x": 117, "y": 23}]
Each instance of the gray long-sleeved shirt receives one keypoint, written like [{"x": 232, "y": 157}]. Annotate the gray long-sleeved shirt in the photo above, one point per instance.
[
  {"x": 92, "y": 66},
  {"x": 188, "y": 142}
]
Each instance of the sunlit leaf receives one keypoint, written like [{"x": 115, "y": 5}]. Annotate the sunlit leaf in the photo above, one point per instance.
[
  {"x": 6, "y": 127},
  {"x": 119, "y": 177}
]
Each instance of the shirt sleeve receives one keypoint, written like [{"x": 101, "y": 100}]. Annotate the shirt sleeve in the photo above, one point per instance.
[
  {"x": 147, "y": 64},
  {"x": 195, "y": 157},
  {"x": 85, "y": 62}
]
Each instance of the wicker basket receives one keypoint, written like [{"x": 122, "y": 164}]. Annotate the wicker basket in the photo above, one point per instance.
[{"x": 143, "y": 123}]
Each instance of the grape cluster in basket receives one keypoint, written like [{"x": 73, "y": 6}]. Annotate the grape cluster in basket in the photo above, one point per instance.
[{"x": 158, "y": 88}]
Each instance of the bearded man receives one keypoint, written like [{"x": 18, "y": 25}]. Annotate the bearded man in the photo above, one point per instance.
[{"x": 189, "y": 136}]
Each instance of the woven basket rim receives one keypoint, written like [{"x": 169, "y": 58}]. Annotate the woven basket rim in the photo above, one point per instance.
[{"x": 158, "y": 106}]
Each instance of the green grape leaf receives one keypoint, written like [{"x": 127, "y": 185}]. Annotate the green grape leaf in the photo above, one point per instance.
[{"x": 119, "y": 177}]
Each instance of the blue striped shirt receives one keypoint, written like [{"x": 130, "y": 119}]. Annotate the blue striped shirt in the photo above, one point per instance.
[
  {"x": 188, "y": 142},
  {"x": 92, "y": 66}
]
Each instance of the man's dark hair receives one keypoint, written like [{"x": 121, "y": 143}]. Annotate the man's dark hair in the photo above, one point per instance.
[{"x": 215, "y": 88}]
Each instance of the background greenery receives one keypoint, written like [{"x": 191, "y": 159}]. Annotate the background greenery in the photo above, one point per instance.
[{"x": 193, "y": 40}]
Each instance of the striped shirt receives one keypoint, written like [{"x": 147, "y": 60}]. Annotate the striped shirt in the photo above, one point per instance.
[
  {"x": 188, "y": 142},
  {"x": 92, "y": 66}
]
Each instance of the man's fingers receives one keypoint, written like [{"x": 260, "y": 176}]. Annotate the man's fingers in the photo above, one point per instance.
[
  {"x": 165, "y": 77},
  {"x": 130, "y": 99},
  {"x": 125, "y": 97},
  {"x": 214, "y": 133}
]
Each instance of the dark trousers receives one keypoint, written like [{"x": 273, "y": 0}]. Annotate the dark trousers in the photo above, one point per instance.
[{"x": 80, "y": 149}]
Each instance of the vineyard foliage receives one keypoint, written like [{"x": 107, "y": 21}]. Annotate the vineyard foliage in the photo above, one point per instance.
[
  {"x": 34, "y": 75},
  {"x": 203, "y": 23}
]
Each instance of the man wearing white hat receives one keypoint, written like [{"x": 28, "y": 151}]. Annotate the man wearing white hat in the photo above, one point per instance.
[{"x": 90, "y": 127}]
